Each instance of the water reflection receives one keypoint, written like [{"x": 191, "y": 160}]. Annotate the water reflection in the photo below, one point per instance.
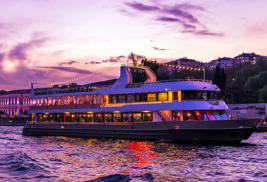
[{"x": 78, "y": 159}]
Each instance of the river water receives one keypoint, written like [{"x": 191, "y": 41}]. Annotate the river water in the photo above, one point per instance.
[{"x": 77, "y": 159}]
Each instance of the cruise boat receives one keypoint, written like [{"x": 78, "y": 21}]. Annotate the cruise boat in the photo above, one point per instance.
[{"x": 176, "y": 110}]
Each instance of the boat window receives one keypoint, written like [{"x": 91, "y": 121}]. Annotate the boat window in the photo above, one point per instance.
[
  {"x": 59, "y": 117},
  {"x": 151, "y": 97},
  {"x": 201, "y": 115},
  {"x": 68, "y": 100},
  {"x": 117, "y": 117},
  {"x": 54, "y": 101},
  {"x": 97, "y": 99},
  {"x": 32, "y": 102},
  {"x": 108, "y": 117},
  {"x": 82, "y": 117},
  {"x": 148, "y": 117},
  {"x": 99, "y": 117},
  {"x": 162, "y": 96},
  {"x": 211, "y": 95},
  {"x": 176, "y": 116},
  {"x": 199, "y": 95},
  {"x": 137, "y": 117},
  {"x": 127, "y": 117},
  {"x": 130, "y": 98},
  {"x": 121, "y": 98},
  {"x": 46, "y": 118},
  {"x": 84, "y": 99},
  {"x": 112, "y": 99},
  {"x": 67, "y": 117},
  {"x": 53, "y": 117},
  {"x": 204, "y": 96},
  {"x": 188, "y": 116},
  {"x": 141, "y": 97},
  {"x": 223, "y": 115},
  {"x": 39, "y": 117},
  {"x": 217, "y": 115},
  {"x": 210, "y": 115},
  {"x": 74, "y": 118},
  {"x": 41, "y": 101},
  {"x": 90, "y": 117},
  {"x": 175, "y": 95}
]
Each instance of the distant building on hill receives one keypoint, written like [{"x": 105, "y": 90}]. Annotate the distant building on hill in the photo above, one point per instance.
[
  {"x": 179, "y": 64},
  {"x": 248, "y": 57}
]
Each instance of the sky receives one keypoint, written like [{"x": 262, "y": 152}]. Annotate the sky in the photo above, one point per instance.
[{"x": 47, "y": 41}]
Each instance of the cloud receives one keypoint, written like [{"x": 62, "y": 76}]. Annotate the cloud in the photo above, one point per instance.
[
  {"x": 37, "y": 74},
  {"x": 2, "y": 56},
  {"x": 69, "y": 63},
  {"x": 142, "y": 7},
  {"x": 189, "y": 7},
  {"x": 167, "y": 19},
  {"x": 93, "y": 62},
  {"x": 68, "y": 69},
  {"x": 114, "y": 59},
  {"x": 19, "y": 51},
  {"x": 180, "y": 13},
  {"x": 204, "y": 33},
  {"x": 158, "y": 49},
  {"x": 5, "y": 82}
]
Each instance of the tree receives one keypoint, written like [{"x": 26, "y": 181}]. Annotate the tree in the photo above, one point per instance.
[
  {"x": 262, "y": 94},
  {"x": 223, "y": 77}
]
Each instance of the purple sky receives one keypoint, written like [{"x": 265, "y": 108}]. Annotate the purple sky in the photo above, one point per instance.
[{"x": 54, "y": 40}]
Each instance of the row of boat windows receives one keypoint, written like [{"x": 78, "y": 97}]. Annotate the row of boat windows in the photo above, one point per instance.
[
  {"x": 123, "y": 98},
  {"x": 199, "y": 115},
  {"x": 96, "y": 117}
]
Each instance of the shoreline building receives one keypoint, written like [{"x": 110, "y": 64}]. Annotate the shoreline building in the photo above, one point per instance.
[
  {"x": 248, "y": 57},
  {"x": 15, "y": 101}
]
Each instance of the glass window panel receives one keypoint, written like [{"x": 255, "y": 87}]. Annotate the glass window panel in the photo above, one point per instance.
[
  {"x": 148, "y": 116},
  {"x": 210, "y": 115},
  {"x": 217, "y": 115},
  {"x": 46, "y": 117},
  {"x": 97, "y": 99},
  {"x": 127, "y": 117},
  {"x": 83, "y": 99},
  {"x": 90, "y": 117},
  {"x": 188, "y": 116},
  {"x": 32, "y": 102},
  {"x": 176, "y": 115},
  {"x": 175, "y": 95},
  {"x": 117, "y": 117},
  {"x": 201, "y": 115},
  {"x": 108, "y": 117},
  {"x": 82, "y": 117},
  {"x": 223, "y": 115},
  {"x": 74, "y": 117},
  {"x": 39, "y": 117},
  {"x": 99, "y": 117},
  {"x": 121, "y": 98},
  {"x": 130, "y": 98},
  {"x": 141, "y": 97},
  {"x": 67, "y": 117},
  {"x": 53, "y": 118},
  {"x": 204, "y": 96},
  {"x": 54, "y": 101},
  {"x": 68, "y": 100},
  {"x": 151, "y": 97},
  {"x": 137, "y": 117},
  {"x": 60, "y": 118},
  {"x": 162, "y": 96},
  {"x": 114, "y": 99}
]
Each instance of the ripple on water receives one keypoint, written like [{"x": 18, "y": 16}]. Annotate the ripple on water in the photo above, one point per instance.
[{"x": 77, "y": 159}]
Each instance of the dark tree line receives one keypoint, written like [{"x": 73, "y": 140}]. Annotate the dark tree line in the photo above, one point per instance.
[{"x": 219, "y": 79}]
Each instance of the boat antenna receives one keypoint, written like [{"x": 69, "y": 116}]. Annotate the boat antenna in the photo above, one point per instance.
[{"x": 134, "y": 61}]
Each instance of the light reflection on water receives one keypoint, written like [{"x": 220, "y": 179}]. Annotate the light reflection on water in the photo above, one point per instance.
[{"x": 76, "y": 159}]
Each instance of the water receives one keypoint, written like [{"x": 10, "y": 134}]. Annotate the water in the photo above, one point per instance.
[{"x": 76, "y": 159}]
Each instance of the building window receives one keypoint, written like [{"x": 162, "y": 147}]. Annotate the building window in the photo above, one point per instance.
[
  {"x": 99, "y": 117},
  {"x": 127, "y": 117},
  {"x": 137, "y": 117},
  {"x": 90, "y": 117},
  {"x": 108, "y": 117},
  {"x": 151, "y": 97},
  {"x": 82, "y": 117},
  {"x": 130, "y": 98},
  {"x": 148, "y": 117},
  {"x": 117, "y": 117},
  {"x": 163, "y": 96},
  {"x": 176, "y": 116}
]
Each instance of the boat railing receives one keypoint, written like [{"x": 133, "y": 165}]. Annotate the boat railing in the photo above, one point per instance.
[
  {"x": 141, "y": 84},
  {"x": 97, "y": 122}
]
